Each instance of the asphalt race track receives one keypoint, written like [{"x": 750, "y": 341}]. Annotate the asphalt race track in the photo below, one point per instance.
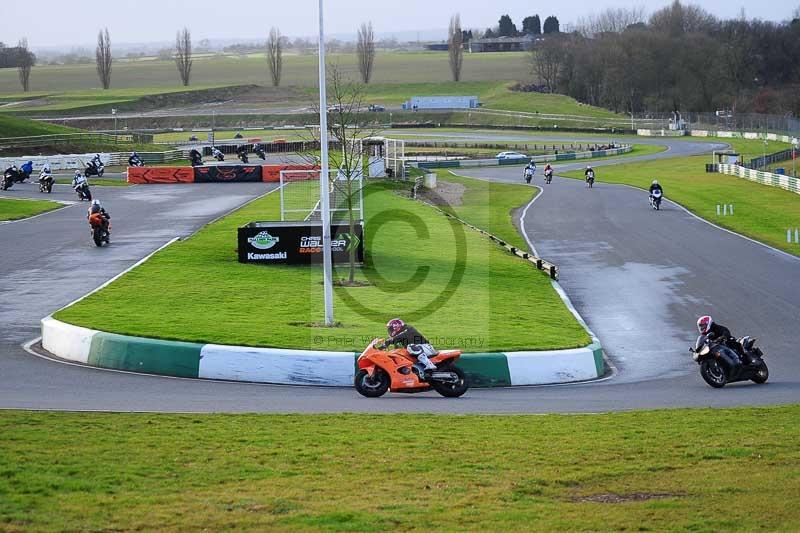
[{"x": 639, "y": 278}]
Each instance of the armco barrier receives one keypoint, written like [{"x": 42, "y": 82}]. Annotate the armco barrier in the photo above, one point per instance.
[
  {"x": 765, "y": 178},
  {"x": 160, "y": 175},
  {"x": 232, "y": 173},
  {"x": 297, "y": 367}
]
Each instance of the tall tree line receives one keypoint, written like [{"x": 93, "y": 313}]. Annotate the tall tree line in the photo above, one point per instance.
[{"x": 682, "y": 58}]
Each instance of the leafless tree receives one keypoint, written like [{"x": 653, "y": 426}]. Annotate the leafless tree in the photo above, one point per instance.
[
  {"x": 548, "y": 59},
  {"x": 612, "y": 20},
  {"x": 183, "y": 55},
  {"x": 365, "y": 51},
  {"x": 678, "y": 19},
  {"x": 103, "y": 58},
  {"x": 25, "y": 64},
  {"x": 348, "y": 124},
  {"x": 455, "y": 46},
  {"x": 275, "y": 55}
]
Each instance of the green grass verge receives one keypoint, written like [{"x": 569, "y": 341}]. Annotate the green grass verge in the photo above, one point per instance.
[
  {"x": 196, "y": 290},
  {"x": 99, "y": 182},
  {"x": 762, "y": 212},
  {"x": 20, "y": 127},
  {"x": 14, "y": 209},
  {"x": 664, "y": 470}
]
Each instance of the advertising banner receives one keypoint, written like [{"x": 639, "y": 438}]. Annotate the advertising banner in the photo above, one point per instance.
[
  {"x": 297, "y": 243},
  {"x": 232, "y": 173},
  {"x": 160, "y": 175},
  {"x": 272, "y": 173}
]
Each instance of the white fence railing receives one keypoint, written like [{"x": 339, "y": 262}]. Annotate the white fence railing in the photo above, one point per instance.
[{"x": 765, "y": 178}]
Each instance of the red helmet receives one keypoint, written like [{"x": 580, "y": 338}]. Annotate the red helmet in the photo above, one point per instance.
[
  {"x": 704, "y": 324},
  {"x": 395, "y": 326}
]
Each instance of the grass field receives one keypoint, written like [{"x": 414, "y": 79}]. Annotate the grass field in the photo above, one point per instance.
[
  {"x": 298, "y": 70},
  {"x": 669, "y": 470},
  {"x": 14, "y": 209},
  {"x": 195, "y": 290},
  {"x": 19, "y": 127},
  {"x": 762, "y": 212}
]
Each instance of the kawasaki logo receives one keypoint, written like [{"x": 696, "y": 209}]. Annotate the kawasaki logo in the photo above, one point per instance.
[{"x": 263, "y": 241}]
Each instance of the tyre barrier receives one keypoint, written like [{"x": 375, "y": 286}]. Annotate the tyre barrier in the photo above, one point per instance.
[
  {"x": 211, "y": 173},
  {"x": 297, "y": 367}
]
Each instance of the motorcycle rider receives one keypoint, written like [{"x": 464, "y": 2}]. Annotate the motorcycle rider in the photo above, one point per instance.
[
  {"x": 655, "y": 186},
  {"x": 26, "y": 169},
  {"x": 548, "y": 170},
  {"x": 46, "y": 173},
  {"x": 589, "y": 175},
  {"x": 97, "y": 208},
  {"x": 217, "y": 154},
  {"x": 719, "y": 333},
  {"x": 135, "y": 161},
  {"x": 241, "y": 151},
  {"x": 195, "y": 157},
  {"x": 530, "y": 169},
  {"x": 78, "y": 181},
  {"x": 409, "y": 338}
]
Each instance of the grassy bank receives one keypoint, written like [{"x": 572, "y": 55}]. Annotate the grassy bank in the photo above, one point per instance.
[
  {"x": 761, "y": 212},
  {"x": 196, "y": 290},
  {"x": 20, "y": 127},
  {"x": 14, "y": 209},
  {"x": 646, "y": 471}
]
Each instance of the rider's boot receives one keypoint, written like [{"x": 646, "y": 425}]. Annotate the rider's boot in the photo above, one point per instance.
[{"x": 422, "y": 358}]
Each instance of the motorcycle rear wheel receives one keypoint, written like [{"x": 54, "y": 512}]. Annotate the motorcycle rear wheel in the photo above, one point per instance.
[
  {"x": 452, "y": 390},
  {"x": 372, "y": 387},
  {"x": 97, "y": 236},
  {"x": 713, "y": 373},
  {"x": 762, "y": 374}
]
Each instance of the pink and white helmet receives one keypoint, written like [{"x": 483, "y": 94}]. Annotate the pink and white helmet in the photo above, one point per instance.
[
  {"x": 395, "y": 326},
  {"x": 704, "y": 324}
]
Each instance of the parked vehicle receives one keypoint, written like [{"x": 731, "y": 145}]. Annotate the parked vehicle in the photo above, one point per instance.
[
  {"x": 380, "y": 371},
  {"x": 377, "y": 108},
  {"x": 100, "y": 229},
  {"x": 511, "y": 156},
  {"x": 720, "y": 364},
  {"x": 655, "y": 200}
]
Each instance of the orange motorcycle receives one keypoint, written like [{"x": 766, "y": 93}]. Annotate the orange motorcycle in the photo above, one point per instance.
[
  {"x": 397, "y": 370},
  {"x": 101, "y": 229}
]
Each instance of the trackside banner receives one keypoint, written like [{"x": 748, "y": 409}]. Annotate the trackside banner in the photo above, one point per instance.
[
  {"x": 160, "y": 175},
  {"x": 297, "y": 243},
  {"x": 233, "y": 173}
]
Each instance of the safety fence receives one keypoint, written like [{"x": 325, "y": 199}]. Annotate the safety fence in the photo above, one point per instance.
[
  {"x": 211, "y": 174},
  {"x": 777, "y": 157},
  {"x": 79, "y": 161},
  {"x": 765, "y": 178},
  {"x": 569, "y": 156}
]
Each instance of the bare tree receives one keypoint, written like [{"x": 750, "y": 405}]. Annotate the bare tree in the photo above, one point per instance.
[
  {"x": 365, "y": 51},
  {"x": 548, "y": 60},
  {"x": 25, "y": 64},
  {"x": 103, "y": 58},
  {"x": 455, "y": 46},
  {"x": 348, "y": 125},
  {"x": 183, "y": 55},
  {"x": 612, "y": 20},
  {"x": 275, "y": 55}
]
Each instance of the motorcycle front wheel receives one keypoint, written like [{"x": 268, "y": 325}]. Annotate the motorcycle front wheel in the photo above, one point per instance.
[
  {"x": 452, "y": 390},
  {"x": 762, "y": 374},
  {"x": 713, "y": 373},
  {"x": 372, "y": 387}
]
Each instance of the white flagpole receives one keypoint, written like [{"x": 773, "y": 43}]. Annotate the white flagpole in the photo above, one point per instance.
[{"x": 324, "y": 177}]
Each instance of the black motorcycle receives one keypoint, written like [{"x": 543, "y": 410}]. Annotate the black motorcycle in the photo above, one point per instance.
[
  {"x": 83, "y": 191},
  {"x": 46, "y": 183},
  {"x": 135, "y": 162},
  {"x": 94, "y": 169},
  {"x": 260, "y": 152},
  {"x": 720, "y": 364},
  {"x": 243, "y": 156},
  {"x": 655, "y": 199},
  {"x": 196, "y": 158},
  {"x": 9, "y": 178}
]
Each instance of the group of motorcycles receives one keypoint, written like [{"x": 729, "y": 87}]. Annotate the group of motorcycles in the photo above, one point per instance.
[
  {"x": 530, "y": 171},
  {"x": 196, "y": 158}
]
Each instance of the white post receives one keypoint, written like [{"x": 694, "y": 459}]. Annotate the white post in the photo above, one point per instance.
[
  {"x": 797, "y": 236},
  {"x": 327, "y": 266},
  {"x": 717, "y": 209},
  {"x": 731, "y": 209},
  {"x": 789, "y": 236},
  {"x": 724, "y": 210}
]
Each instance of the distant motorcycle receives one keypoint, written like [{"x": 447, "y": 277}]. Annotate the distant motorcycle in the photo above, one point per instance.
[
  {"x": 655, "y": 199},
  {"x": 548, "y": 176},
  {"x": 243, "y": 156},
  {"x": 135, "y": 162},
  {"x": 219, "y": 156},
  {"x": 46, "y": 182},
  {"x": 196, "y": 158},
  {"x": 528, "y": 173},
  {"x": 94, "y": 169},
  {"x": 720, "y": 364},
  {"x": 590, "y": 179},
  {"x": 260, "y": 152}
]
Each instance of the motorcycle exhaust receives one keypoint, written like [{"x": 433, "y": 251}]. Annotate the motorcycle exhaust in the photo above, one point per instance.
[{"x": 448, "y": 377}]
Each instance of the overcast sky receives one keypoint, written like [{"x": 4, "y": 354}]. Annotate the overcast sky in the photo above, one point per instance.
[{"x": 75, "y": 22}]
